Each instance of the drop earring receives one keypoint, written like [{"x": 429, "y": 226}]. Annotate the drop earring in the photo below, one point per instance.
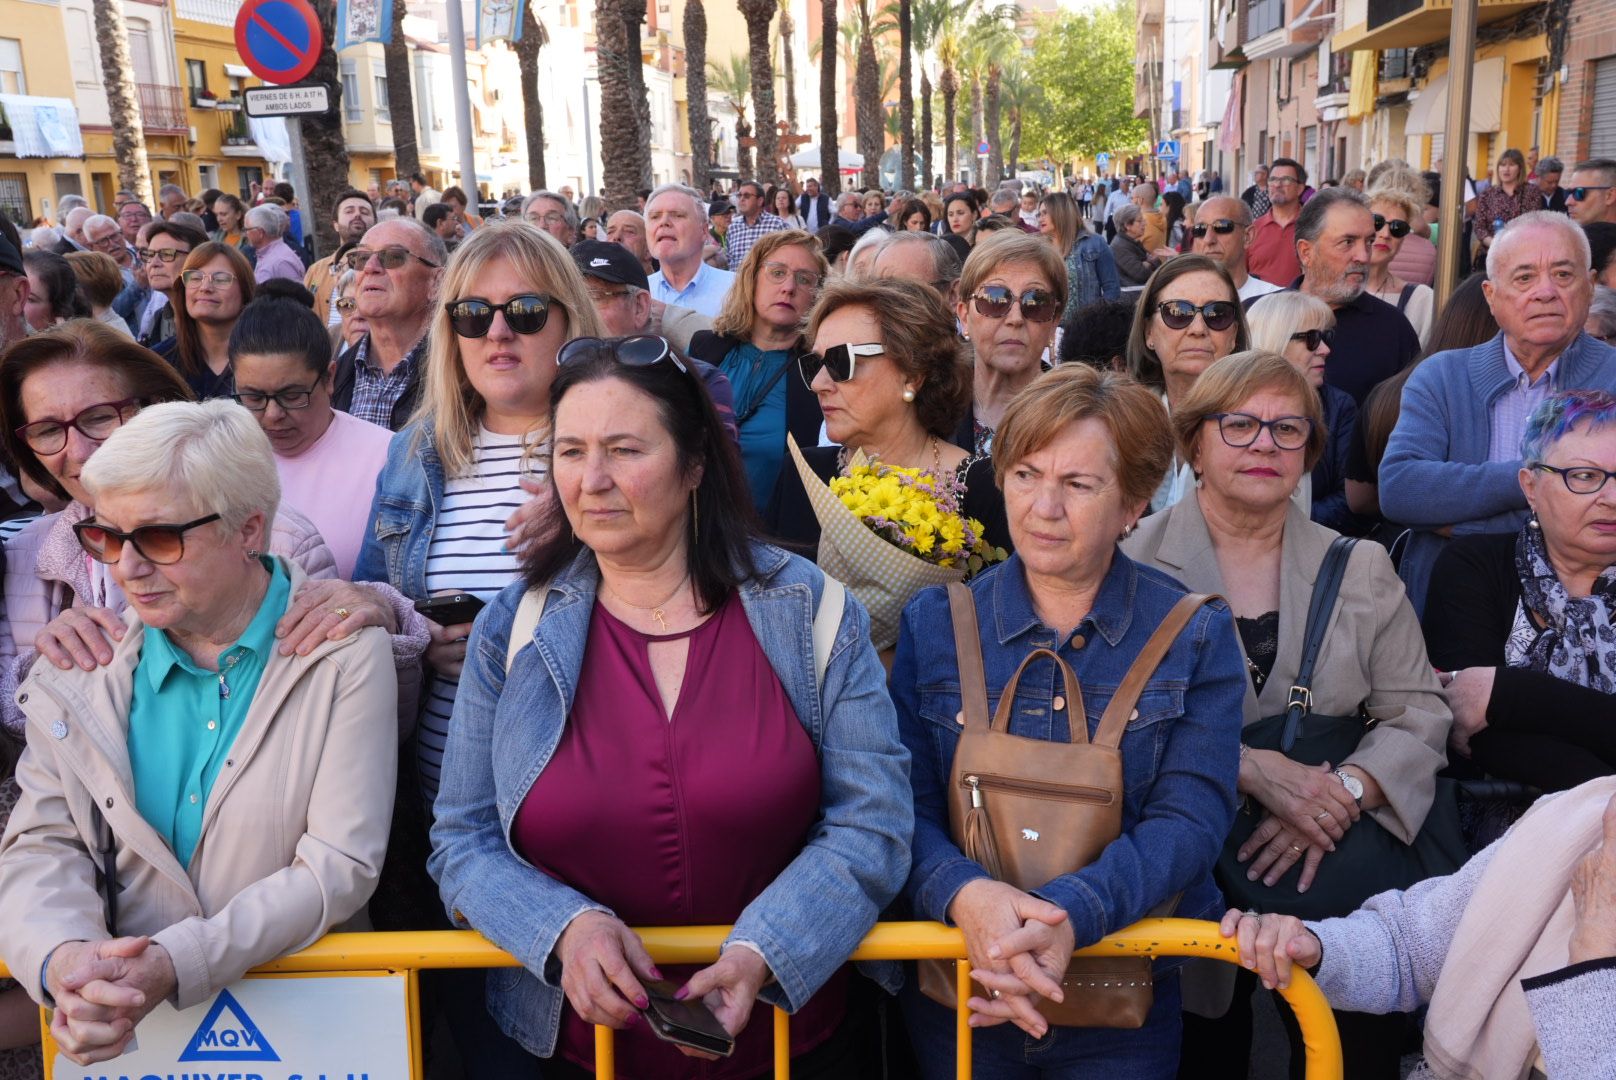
[{"x": 1532, "y": 522}]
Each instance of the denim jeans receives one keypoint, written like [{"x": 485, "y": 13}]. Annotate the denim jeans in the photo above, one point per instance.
[{"x": 1065, "y": 1053}]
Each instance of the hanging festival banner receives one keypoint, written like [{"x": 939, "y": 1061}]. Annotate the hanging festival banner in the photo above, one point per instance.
[
  {"x": 499, "y": 20},
  {"x": 359, "y": 21}
]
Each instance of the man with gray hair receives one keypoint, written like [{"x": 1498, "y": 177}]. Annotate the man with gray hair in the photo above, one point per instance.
[
  {"x": 1003, "y": 201},
  {"x": 1453, "y": 462},
  {"x": 552, "y": 213},
  {"x": 924, "y": 258},
  {"x": 627, "y": 227},
  {"x": 400, "y": 265},
  {"x": 170, "y": 201},
  {"x": 1549, "y": 171},
  {"x": 1221, "y": 231},
  {"x": 677, "y": 220},
  {"x": 1373, "y": 340},
  {"x": 73, "y": 230},
  {"x": 265, "y": 229},
  {"x": 1591, "y": 191}
]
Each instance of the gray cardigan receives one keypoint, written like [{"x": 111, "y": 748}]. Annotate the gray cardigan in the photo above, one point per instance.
[
  {"x": 1388, "y": 955},
  {"x": 1436, "y": 470}
]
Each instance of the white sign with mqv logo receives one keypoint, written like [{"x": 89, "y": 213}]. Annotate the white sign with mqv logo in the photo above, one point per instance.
[{"x": 342, "y": 1027}]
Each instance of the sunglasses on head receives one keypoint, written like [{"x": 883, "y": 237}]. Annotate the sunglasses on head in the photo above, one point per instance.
[
  {"x": 1398, "y": 229},
  {"x": 1037, "y": 305},
  {"x": 160, "y": 544},
  {"x": 838, "y": 361},
  {"x": 1178, "y": 314},
  {"x": 474, "y": 317},
  {"x": 1222, "y": 226},
  {"x": 642, "y": 350},
  {"x": 1311, "y": 338}
]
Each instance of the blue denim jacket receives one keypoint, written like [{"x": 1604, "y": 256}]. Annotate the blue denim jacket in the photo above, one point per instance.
[
  {"x": 1091, "y": 273},
  {"x": 806, "y": 923},
  {"x": 1180, "y": 754},
  {"x": 403, "y": 513}
]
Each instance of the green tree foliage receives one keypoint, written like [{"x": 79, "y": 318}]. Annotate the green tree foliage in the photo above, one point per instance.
[{"x": 1083, "y": 63}]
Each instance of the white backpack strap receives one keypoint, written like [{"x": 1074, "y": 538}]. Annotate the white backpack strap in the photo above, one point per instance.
[
  {"x": 827, "y": 620},
  {"x": 528, "y": 614}
]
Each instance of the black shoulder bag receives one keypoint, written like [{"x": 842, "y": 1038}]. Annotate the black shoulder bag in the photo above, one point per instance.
[{"x": 1368, "y": 859}]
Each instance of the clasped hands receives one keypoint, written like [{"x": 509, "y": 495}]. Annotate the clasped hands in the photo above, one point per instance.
[
  {"x": 1019, "y": 947},
  {"x": 102, "y": 990},
  {"x": 1307, "y": 809}
]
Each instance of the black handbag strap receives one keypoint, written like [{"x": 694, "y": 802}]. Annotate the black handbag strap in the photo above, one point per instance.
[
  {"x": 107, "y": 841},
  {"x": 1326, "y": 587}
]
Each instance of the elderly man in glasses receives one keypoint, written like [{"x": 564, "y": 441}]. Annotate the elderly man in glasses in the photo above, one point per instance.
[
  {"x": 1222, "y": 230},
  {"x": 400, "y": 264}
]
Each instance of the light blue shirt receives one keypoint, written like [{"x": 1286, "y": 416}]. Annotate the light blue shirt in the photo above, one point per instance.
[
  {"x": 705, "y": 293},
  {"x": 183, "y": 720},
  {"x": 1515, "y": 407}
]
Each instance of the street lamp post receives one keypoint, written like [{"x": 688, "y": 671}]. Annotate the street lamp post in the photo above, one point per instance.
[
  {"x": 1455, "y": 146},
  {"x": 462, "y": 98}
]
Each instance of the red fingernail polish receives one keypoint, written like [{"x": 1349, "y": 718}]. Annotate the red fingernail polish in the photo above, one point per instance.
[
  {"x": 682, "y": 993},
  {"x": 642, "y": 1002},
  {"x": 656, "y": 973}
]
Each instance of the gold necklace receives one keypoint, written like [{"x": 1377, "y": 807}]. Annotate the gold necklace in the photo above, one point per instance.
[{"x": 659, "y": 610}]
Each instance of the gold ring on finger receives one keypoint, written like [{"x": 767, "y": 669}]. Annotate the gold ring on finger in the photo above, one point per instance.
[
  {"x": 994, "y": 994},
  {"x": 342, "y": 613},
  {"x": 1297, "y": 848}
]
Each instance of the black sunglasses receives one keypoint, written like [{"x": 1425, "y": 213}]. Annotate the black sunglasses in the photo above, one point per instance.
[
  {"x": 642, "y": 350},
  {"x": 838, "y": 361},
  {"x": 1037, "y": 305},
  {"x": 160, "y": 544},
  {"x": 1311, "y": 338},
  {"x": 525, "y": 314},
  {"x": 1581, "y": 193},
  {"x": 1178, "y": 314},
  {"x": 1398, "y": 229},
  {"x": 1222, "y": 226}
]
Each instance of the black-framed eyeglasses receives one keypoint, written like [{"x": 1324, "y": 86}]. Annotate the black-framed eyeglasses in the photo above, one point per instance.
[
  {"x": 1222, "y": 226},
  {"x": 288, "y": 399},
  {"x": 1241, "y": 430},
  {"x": 1581, "y": 479},
  {"x": 1578, "y": 194},
  {"x": 1398, "y": 229},
  {"x": 1312, "y": 338},
  {"x": 641, "y": 350},
  {"x": 473, "y": 317},
  {"x": 391, "y": 257},
  {"x": 219, "y": 279},
  {"x": 166, "y": 255},
  {"x": 1037, "y": 305},
  {"x": 94, "y": 422},
  {"x": 1217, "y": 314},
  {"x": 160, "y": 544},
  {"x": 840, "y": 362}
]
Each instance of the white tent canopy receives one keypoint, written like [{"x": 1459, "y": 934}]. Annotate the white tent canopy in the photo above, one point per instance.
[{"x": 808, "y": 158}]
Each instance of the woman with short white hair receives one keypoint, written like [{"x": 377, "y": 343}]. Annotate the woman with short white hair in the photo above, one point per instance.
[{"x": 221, "y": 842}]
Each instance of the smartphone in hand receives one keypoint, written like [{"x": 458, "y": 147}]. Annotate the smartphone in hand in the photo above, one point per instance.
[
  {"x": 684, "y": 1023},
  {"x": 450, "y": 610}
]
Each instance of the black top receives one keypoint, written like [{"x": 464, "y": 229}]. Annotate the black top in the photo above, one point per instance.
[
  {"x": 204, "y": 383},
  {"x": 1373, "y": 342},
  {"x": 1469, "y": 612},
  {"x": 1259, "y": 638},
  {"x": 795, "y": 526}
]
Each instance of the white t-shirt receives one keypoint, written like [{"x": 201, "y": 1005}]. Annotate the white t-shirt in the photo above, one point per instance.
[{"x": 1256, "y": 286}]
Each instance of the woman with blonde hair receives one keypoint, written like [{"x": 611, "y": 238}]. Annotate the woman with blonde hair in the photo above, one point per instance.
[
  {"x": 755, "y": 342},
  {"x": 1395, "y": 212},
  {"x": 1091, "y": 270}
]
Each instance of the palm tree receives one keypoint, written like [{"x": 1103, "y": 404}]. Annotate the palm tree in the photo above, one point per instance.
[
  {"x": 867, "y": 92},
  {"x": 325, "y": 143},
  {"x": 534, "y": 38},
  {"x": 948, "y": 57},
  {"x": 624, "y": 135},
  {"x": 759, "y": 14},
  {"x": 735, "y": 83},
  {"x": 829, "y": 155},
  {"x": 1018, "y": 94},
  {"x": 400, "y": 99},
  {"x": 701, "y": 142},
  {"x": 996, "y": 44},
  {"x": 930, "y": 16},
  {"x": 906, "y": 97},
  {"x": 788, "y": 63},
  {"x": 123, "y": 101}
]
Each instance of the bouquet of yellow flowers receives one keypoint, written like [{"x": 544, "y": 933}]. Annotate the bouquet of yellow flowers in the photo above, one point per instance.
[{"x": 887, "y": 532}]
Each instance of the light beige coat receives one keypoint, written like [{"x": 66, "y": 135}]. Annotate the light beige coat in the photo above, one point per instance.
[
  {"x": 293, "y": 833},
  {"x": 1373, "y": 654}
]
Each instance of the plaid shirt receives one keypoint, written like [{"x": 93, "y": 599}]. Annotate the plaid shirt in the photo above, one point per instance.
[
  {"x": 376, "y": 391},
  {"x": 741, "y": 236}
]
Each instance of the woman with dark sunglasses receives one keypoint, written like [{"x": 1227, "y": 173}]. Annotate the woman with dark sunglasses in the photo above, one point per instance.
[
  {"x": 232, "y": 797},
  {"x": 1395, "y": 211},
  {"x": 1012, "y": 294}
]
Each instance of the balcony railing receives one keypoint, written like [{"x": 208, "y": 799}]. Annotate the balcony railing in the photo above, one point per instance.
[
  {"x": 1397, "y": 64},
  {"x": 162, "y": 108}
]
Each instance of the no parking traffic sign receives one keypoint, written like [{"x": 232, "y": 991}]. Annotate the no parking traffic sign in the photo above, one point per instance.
[{"x": 279, "y": 40}]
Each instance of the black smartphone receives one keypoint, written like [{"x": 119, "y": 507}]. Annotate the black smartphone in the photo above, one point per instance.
[
  {"x": 684, "y": 1023},
  {"x": 450, "y": 610}
]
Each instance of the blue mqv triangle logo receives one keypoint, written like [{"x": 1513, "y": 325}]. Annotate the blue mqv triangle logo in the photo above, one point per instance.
[{"x": 227, "y": 1033}]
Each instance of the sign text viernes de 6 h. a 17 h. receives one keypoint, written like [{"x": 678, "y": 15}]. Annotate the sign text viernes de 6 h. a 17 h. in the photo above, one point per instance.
[{"x": 341, "y": 1027}]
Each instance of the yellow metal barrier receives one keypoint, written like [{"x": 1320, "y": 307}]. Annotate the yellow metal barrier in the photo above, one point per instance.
[{"x": 887, "y": 941}]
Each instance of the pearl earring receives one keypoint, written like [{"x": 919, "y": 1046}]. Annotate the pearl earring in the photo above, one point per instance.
[
  {"x": 1532, "y": 522},
  {"x": 908, "y": 394}
]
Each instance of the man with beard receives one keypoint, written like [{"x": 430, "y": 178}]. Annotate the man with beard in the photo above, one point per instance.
[
  {"x": 355, "y": 214},
  {"x": 1373, "y": 341}
]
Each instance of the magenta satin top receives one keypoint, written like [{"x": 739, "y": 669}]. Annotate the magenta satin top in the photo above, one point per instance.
[{"x": 679, "y": 820}]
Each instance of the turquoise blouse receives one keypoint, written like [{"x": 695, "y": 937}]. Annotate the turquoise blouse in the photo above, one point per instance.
[{"x": 183, "y": 719}]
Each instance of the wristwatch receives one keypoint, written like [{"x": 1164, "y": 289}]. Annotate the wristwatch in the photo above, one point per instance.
[{"x": 1353, "y": 785}]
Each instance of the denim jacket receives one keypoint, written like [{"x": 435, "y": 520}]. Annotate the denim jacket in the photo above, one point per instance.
[
  {"x": 403, "y": 513},
  {"x": 806, "y": 923},
  {"x": 1180, "y": 752},
  {"x": 1091, "y": 271}
]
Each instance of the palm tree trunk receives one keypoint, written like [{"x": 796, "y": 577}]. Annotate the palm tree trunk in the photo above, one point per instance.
[
  {"x": 325, "y": 142},
  {"x": 743, "y": 154},
  {"x": 830, "y": 177},
  {"x": 701, "y": 136},
  {"x": 871, "y": 131},
  {"x": 906, "y": 97},
  {"x": 534, "y": 38},
  {"x": 1015, "y": 142},
  {"x": 990, "y": 122},
  {"x": 400, "y": 98},
  {"x": 633, "y": 15},
  {"x": 925, "y": 129},
  {"x": 123, "y": 100},
  {"x": 788, "y": 61},
  {"x": 625, "y": 148},
  {"x": 950, "y": 90},
  {"x": 759, "y": 14}
]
